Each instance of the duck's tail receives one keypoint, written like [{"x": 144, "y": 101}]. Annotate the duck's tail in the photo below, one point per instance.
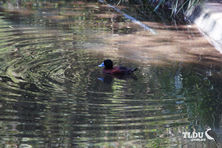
[{"x": 133, "y": 69}]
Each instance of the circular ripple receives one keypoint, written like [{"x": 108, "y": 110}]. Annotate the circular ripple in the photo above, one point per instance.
[{"x": 50, "y": 92}]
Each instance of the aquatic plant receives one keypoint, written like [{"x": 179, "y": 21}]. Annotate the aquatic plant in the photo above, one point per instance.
[{"x": 176, "y": 6}]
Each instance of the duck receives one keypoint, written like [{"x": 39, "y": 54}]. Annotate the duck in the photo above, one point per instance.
[{"x": 117, "y": 70}]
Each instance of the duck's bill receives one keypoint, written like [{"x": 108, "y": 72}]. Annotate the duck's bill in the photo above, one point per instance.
[
  {"x": 101, "y": 65},
  {"x": 101, "y": 79}
]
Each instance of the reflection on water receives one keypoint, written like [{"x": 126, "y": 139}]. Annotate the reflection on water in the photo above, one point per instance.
[{"x": 54, "y": 95}]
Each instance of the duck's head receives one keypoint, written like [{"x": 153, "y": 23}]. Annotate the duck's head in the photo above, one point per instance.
[{"x": 108, "y": 64}]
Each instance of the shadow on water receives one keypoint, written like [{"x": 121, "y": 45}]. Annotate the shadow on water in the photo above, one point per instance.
[{"x": 51, "y": 95}]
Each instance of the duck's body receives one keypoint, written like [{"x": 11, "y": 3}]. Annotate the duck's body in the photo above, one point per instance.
[{"x": 118, "y": 70}]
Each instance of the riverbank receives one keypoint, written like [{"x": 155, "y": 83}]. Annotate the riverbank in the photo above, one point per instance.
[{"x": 207, "y": 16}]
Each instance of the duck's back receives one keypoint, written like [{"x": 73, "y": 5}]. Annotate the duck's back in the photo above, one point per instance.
[{"x": 119, "y": 70}]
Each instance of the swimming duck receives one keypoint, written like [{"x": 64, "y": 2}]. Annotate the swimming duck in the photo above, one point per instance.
[{"x": 117, "y": 70}]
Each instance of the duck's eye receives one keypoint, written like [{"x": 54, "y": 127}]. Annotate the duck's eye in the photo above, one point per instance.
[{"x": 101, "y": 65}]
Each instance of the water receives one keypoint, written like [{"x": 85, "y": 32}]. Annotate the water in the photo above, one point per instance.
[{"x": 52, "y": 94}]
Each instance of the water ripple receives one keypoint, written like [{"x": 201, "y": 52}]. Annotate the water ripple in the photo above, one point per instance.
[{"x": 50, "y": 94}]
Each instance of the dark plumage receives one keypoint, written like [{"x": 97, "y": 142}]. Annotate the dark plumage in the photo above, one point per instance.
[{"x": 108, "y": 64}]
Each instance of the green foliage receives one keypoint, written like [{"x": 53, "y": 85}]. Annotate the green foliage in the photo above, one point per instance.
[{"x": 176, "y": 5}]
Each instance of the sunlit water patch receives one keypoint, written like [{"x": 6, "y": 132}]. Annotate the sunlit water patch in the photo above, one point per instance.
[{"x": 54, "y": 95}]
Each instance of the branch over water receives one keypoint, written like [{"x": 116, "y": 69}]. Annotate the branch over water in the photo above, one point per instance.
[{"x": 130, "y": 18}]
